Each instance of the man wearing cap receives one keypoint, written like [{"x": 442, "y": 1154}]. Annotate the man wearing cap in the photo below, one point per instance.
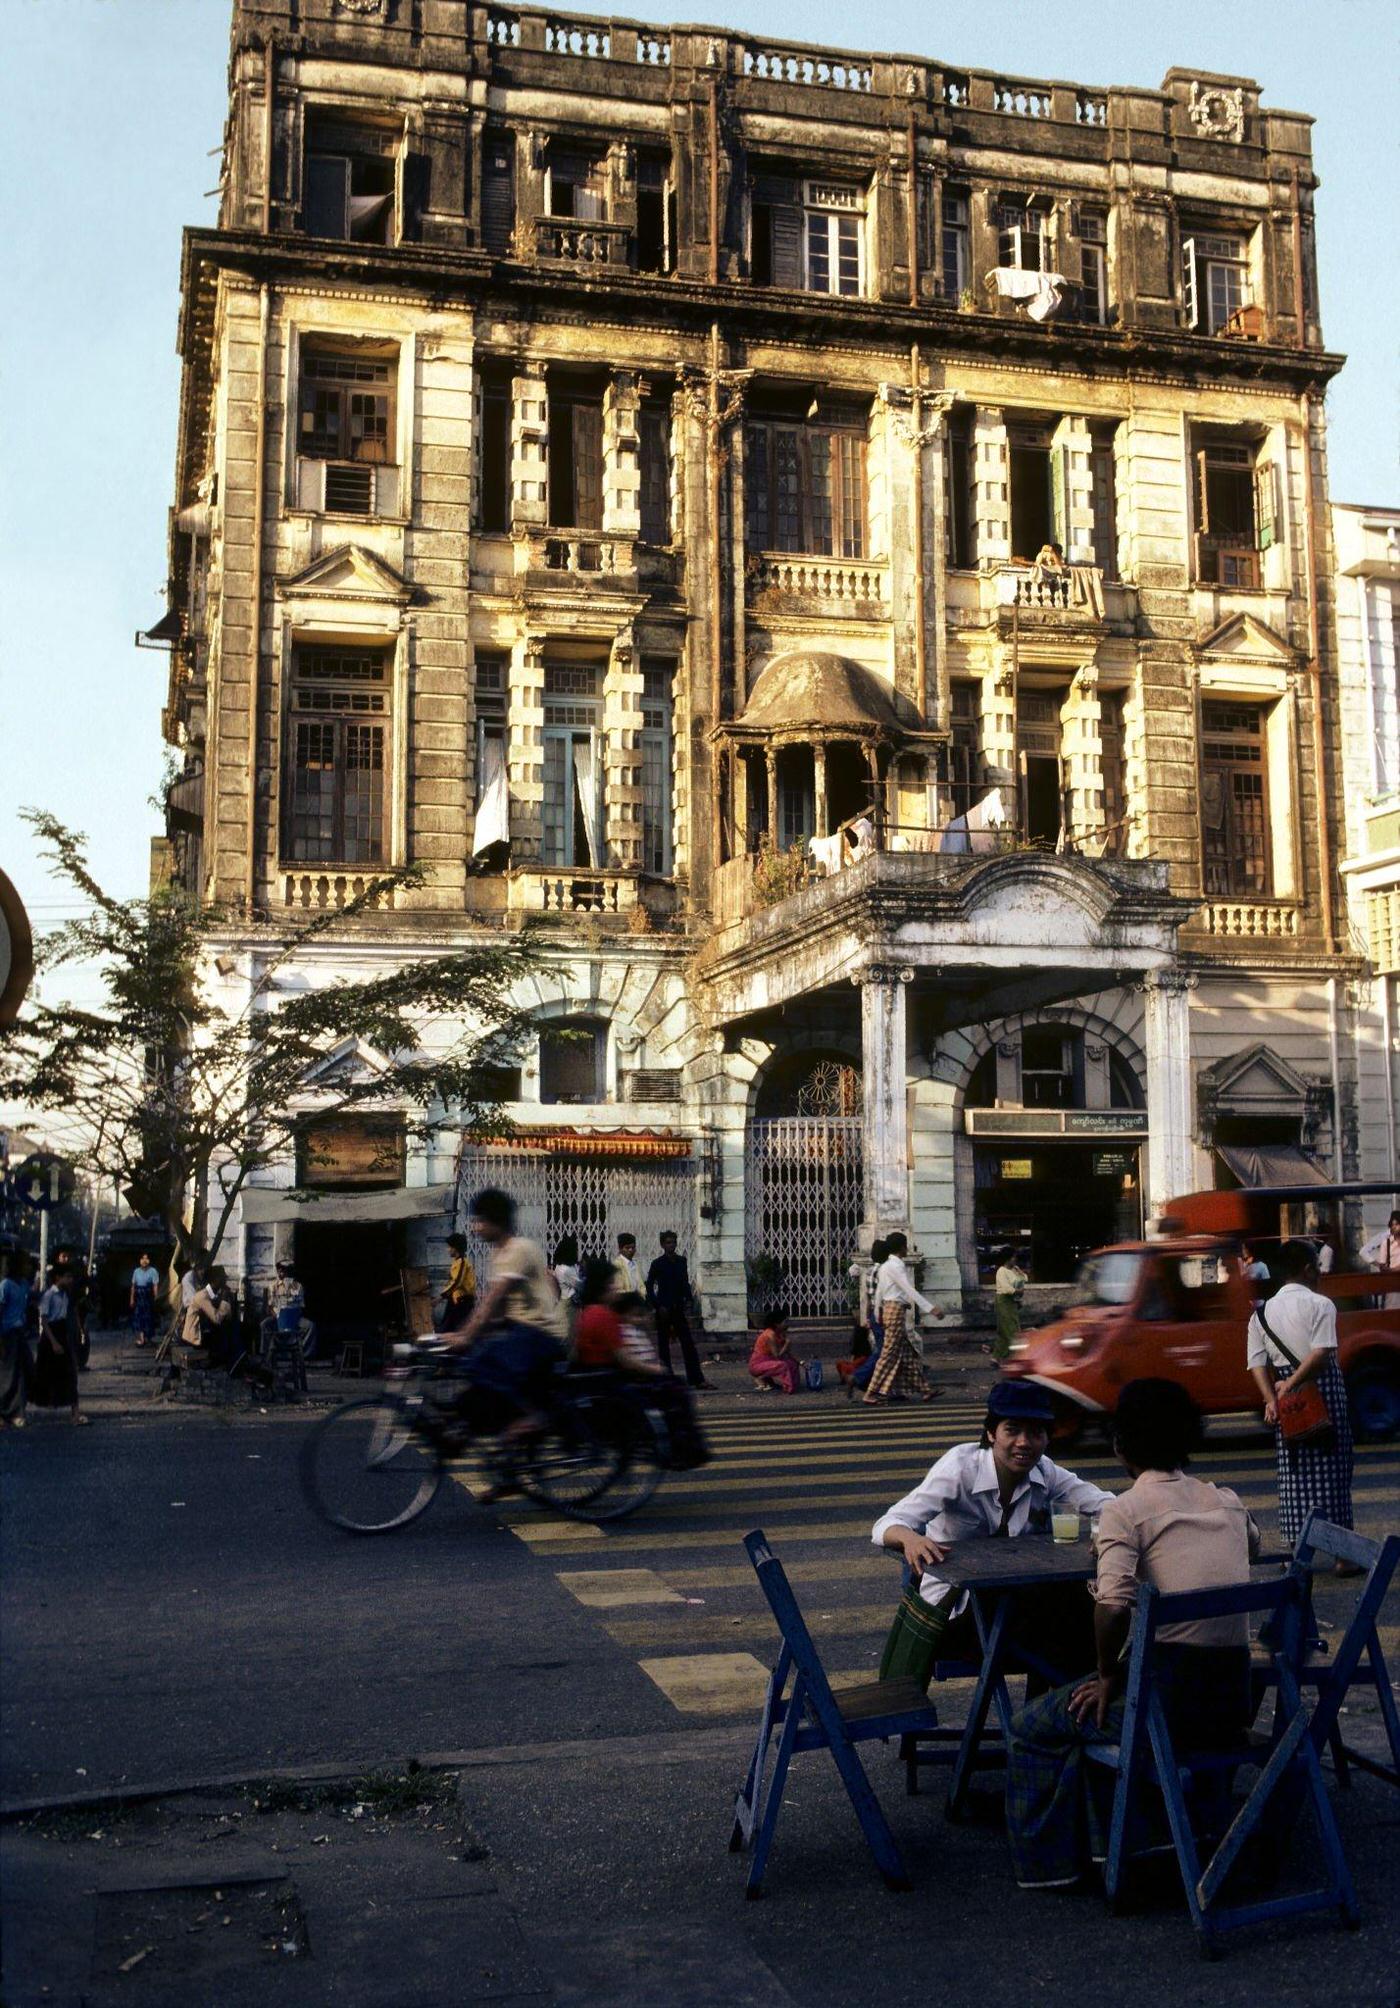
[{"x": 1005, "y": 1485}]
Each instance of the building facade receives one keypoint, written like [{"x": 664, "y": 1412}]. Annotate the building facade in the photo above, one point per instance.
[
  {"x": 1367, "y": 544},
  {"x": 612, "y": 457}
]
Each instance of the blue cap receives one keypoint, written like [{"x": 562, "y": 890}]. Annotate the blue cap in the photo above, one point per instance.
[{"x": 1019, "y": 1401}]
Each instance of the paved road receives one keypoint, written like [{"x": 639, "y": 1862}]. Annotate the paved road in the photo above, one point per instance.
[{"x": 172, "y": 1611}]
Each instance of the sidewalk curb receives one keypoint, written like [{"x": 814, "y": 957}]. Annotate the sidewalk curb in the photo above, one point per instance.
[{"x": 620, "y": 1749}]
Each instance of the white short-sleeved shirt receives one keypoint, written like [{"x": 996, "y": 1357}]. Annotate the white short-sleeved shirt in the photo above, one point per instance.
[
  {"x": 961, "y": 1496},
  {"x": 893, "y": 1283},
  {"x": 1304, "y": 1321}
]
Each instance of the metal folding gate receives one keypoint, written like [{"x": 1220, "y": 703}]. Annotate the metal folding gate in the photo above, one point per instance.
[
  {"x": 593, "y": 1198},
  {"x": 803, "y": 1203}
]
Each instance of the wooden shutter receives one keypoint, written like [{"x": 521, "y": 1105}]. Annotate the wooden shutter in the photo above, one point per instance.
[
  {"x": 1266, "y": 505},
  {"x": 787, "y": 244},
  {"x": 326, "y": 211},
  {"x": 588, "y": 466},
  {"x": 498, "y": 194},
  {"x": 1190, "y": 292},
  {"x": 1059, "y": 495}
]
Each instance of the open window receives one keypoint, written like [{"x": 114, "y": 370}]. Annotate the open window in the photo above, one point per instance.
[
  {"x": 1038, "y": 482},
  {"x": 1038, "y": 751},
  {"x": 965, "y": 770},
  {"x": 1217, "y": 294},
  {"x": 491, "y": 827},
  {"x": 577, "y": 184},
  {"x": 497, "y": 193},
  {"x": 656, "y": 214},
  {"x": 351, "y": 178},
  {"x": 338, "y": 755},
  {"x": 572, "y": 1061},
  {"x": 804, "y": 484},
  {"x": 658, "y": 678},
  {"x": 571, "y": 810},
  {"x": 346, "y": 438},
  {"x": 807, "y": 235},
  {"x": 955, "y": 256},
  {"x": 1023, "y": 235},
  {"x": 654, "y": 443},
  {"x": 958, "y": 543},
  {"x": 1091, "y": 232},
  {"x": 1238, "y": 511}
]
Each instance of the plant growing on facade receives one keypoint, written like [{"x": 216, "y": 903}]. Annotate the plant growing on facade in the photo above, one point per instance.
[
  {"x": 764, "y": 1274},
  {"x": 777, "y": 873},
  {"x": 180, "y": 1100}
]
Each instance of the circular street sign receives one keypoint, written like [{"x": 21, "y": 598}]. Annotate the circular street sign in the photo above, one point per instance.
[{"x": 42, "y": 1182}]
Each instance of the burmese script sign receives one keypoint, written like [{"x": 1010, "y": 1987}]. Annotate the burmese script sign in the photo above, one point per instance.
[{"x": 1056, "y": 1122}]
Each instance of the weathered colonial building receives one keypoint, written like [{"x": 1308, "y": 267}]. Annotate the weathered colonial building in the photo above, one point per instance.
[{"x": 611, "y": 456}]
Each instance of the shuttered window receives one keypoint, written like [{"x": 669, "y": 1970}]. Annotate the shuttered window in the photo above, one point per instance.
[
  {"x": 349, "y": 179},
  {"x": 337, "y": 757},
  {"x": 1235, "y": 801},
  {"x": 805, "y": 489},
  {"x": 497, "y": 193},
  {"x": 654, "y": 430},
  {"x": 575, "y": 462}
]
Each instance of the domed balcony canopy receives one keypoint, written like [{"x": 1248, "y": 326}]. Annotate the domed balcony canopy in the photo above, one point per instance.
[{"x": 811, "y": 696}]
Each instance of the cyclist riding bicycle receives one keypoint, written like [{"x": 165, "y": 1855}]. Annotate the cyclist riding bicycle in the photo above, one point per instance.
[
  {"x": 515, "y": 1336},
  {"x": 603, "y": 1338}
]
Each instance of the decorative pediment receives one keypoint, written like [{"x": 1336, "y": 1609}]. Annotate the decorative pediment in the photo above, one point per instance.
[
  {"x": 1030, "y": 897},
  {"x": 1256, "y": 1079},
  {"x": 1242, "y": 638},
  {"x": 346, "y": 1065},
  {"x": 347, "y": 573}
]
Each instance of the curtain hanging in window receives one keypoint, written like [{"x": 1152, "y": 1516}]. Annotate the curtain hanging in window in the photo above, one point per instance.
[
  {"x": 586, "y": 794},
  {"x": 493, "y": 801}
]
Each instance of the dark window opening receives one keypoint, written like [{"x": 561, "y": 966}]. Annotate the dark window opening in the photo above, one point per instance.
[
  {"x": 1038, "y": 746},
  {"x": 958, "y": 517},
  {"x": 1237, "y": 514},
  {"x": 577, "y": 185},
  {"x": 1103, "y": 475},
  {"x": 1113, "y": 753},
  {"x": 494, "y": 496},
  {"x": 498, "y": 193},
  {"x": 1032, "y": 500},
  {"x": 965, "y": 750},
  {"x": 658, "y": 678},
  {"x": 575, "y": 462},
  {"x": 571, "y": 1062},
  {"x": 775, "y": 231},
  {"x": 656, "y": 234},
  {"x": 654, "y": 435},
  {"x": 346, "y": 407},
  {"x": 955, "y": 267},
  {"x": 1047, "y": 1068},
  {"x": 350, "y": 173}
]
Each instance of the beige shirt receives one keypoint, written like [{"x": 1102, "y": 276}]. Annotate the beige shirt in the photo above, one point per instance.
[
  {"x": 203, "y": 1309},
  {"x": 1011, "y": 1280},
  {"x": 532, "y": 1298},
  {"x": 1177, "y": 1533}
]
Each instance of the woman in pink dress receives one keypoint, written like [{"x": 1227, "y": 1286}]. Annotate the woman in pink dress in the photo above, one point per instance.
[{"x": 771, "y": 1362}]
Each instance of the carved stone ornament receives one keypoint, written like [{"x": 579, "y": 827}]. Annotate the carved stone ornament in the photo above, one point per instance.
[
  {"x": 1215, "y": 112},
  {"x": 365, "y": 7}
]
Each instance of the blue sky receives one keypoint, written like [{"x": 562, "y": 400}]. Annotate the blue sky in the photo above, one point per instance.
[{"x": 109, "y": 110}]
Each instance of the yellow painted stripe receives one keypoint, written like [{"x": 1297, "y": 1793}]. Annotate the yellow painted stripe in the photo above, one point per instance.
[
  {"x": 692, "y": 1629},
  {"x": 875, "y": 1566},
  {"x": 613, "y": 1589},
  {"x": 724, "y": 1683},
  {"x": 552, "y": 1533}
]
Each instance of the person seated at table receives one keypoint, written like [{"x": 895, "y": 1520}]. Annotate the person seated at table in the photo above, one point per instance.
[
  {"x": 603, "y": 1336},
  {"x": 771, "y": 1362},
  {"x": 1178, "y": 1533},
  {"x": 1004, "y": 1485}
]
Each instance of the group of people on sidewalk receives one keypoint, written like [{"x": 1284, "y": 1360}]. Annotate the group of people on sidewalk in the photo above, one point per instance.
[
  {"x": 42, "y": 1339},
  {"x": 888, "y": 1365},
  {"x": 1169, "y": 1529}
]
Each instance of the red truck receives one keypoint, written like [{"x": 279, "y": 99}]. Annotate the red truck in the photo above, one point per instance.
[{"x": 1176, "y": 1308}]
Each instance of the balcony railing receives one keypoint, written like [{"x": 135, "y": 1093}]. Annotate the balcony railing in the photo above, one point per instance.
[
  {"x": 560, "y": 889},
  {"x": 579, "y": 553},
  {"x": 326, "y": 891},
  {"x": 851, "y": 581},
  {"x": 1074, "y": 592},
  {"x": 581, "y": 243},
  {"x": 1249, "y": 920}
]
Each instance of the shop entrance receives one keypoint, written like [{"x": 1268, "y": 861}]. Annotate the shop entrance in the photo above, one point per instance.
[
  {"x": 345, "y": 1269},
  {"x": 1053, "y": 1202}
]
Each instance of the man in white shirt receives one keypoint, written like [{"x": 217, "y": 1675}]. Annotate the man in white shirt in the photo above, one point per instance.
[
  {"x": 1292, "y": 1343},
  {"x": 1382, "y": 1251},
  {"x": 1005, "y": 1485},
  {"x": 899, "y": 1372},
  {"x": 629, "y": 1275}
]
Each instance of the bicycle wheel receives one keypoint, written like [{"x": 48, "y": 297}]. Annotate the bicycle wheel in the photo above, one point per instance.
[
  {"x": 570, "y": 1463},
  {"x": 367, "y": 1469},
  {"x": 639, "y": 1470}
]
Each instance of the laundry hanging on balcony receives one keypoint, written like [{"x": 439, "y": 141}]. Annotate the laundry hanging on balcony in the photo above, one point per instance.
[
  {"x": 586, "y": 795},
  {"x": 978, "y": 829},
  {"x": 1042, "y": 294},
  {"x": 493, "y": 801}
]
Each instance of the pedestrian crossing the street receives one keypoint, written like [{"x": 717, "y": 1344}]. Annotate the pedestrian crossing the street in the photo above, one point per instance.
[{"x": 671, "y": 1586}]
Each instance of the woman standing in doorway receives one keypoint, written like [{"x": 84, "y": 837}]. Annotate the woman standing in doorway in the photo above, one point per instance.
[{"x": 1293, "y": 1344}]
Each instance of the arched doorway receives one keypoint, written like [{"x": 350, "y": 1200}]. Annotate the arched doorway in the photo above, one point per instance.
[{"x": 803, "y": 1185}]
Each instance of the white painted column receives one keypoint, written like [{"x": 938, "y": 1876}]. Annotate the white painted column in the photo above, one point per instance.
[
  {"x": 1170, "y": 1117},
  {"x": 885, "y": 1073}
]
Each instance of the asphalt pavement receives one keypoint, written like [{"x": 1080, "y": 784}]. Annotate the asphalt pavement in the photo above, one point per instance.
[{"x": 178, "y": 1627}]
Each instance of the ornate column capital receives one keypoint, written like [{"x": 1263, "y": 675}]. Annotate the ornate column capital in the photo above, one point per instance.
[
  {"x": 1168, "y": 982},
  {"x": 886, "y": 974}
]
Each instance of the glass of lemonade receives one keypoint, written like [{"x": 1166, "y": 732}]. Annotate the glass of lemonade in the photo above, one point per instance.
[{"x": 1064, "y": 1527}]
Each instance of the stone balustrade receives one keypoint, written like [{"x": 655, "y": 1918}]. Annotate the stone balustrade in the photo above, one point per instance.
[
  {"x": 581, "y": 243},
  {"x": 851, "y": 582},
  {"x": 1074, "y": 593},
  {"x": 560, "y": 890},
  {"x": 1020, "y": 99},
  {"x": 787, "y": 63},
  {"x": 578, "y": 553},
  {"x": 1249, "y": 920},
  {"x": 327, "y": 891}
]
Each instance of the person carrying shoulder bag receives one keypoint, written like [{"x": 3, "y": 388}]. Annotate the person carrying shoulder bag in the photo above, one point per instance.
[{"x": 1292, "y": 1356}]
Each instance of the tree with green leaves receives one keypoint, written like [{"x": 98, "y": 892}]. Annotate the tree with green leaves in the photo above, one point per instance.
[{"x": 180, "y": 1100}]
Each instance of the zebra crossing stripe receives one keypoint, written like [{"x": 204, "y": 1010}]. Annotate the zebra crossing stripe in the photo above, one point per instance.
[
  {"x": 722, "y": 1683},
  {"x": 611, "y": 1589}
]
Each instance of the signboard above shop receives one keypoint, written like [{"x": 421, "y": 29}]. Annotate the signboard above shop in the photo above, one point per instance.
[{"x": 1056, "y": 1122}]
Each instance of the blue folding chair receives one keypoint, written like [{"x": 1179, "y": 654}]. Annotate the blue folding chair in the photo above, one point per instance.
[
  {"x": 812, "y": 1717},
  {"x": 1286, "y": 1756},
  {"x": 1358, "y": 1660}
]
